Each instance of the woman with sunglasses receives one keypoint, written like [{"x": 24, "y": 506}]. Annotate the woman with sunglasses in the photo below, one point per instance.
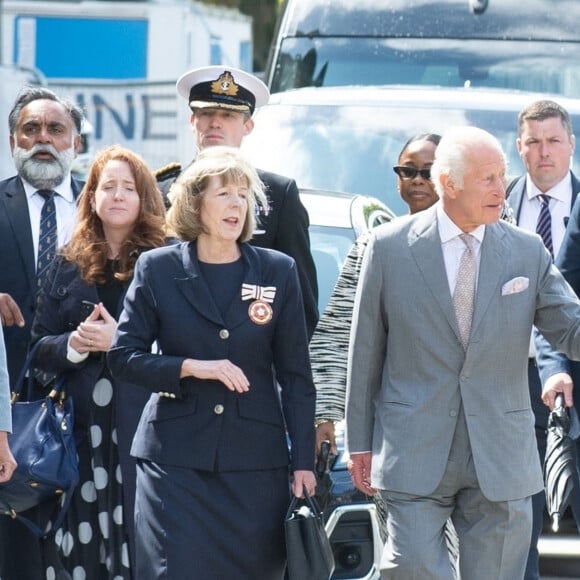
[
  {"x": 330, "y": 340},
  {"x": 413, "y": 170}
]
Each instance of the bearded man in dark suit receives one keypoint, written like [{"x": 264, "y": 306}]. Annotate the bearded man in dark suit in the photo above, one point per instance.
[{"x": 44, "y": 141}]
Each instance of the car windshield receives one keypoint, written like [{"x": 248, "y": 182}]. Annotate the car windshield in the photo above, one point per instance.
[
  {"x": 541, "y": 66},
  {"x": 352, "y": 148}
]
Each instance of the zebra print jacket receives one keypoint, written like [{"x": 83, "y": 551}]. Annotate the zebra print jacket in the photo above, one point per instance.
[{"x": 329, "y": 343}]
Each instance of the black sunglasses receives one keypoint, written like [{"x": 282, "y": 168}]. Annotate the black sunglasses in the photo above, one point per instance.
[{"x": 406, "y": 172}]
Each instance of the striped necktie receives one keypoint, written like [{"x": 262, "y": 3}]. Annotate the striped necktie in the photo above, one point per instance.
[
  {"x": 544, "y": 226},
  {"x": 47, "y": 236},
  {"x": 464, "y": 293}
]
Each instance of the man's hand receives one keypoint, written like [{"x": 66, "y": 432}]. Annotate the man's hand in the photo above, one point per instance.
[
  {"x": 558, "y": 383},
  {"x": 325, "y": 432},
  {"x": 359, "y": 466},
  {"x": 7, "y": 461},
  {"x": 9, "y": 311}
]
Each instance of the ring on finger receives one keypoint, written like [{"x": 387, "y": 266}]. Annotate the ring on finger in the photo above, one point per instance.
[{"x": 90, "y": 342}]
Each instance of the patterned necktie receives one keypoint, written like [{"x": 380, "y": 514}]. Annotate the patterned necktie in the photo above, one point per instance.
[
  {"x": 47, "y": 236},
  {"x": 464, "y": 293},
  {"x": 544, "y": 226}
]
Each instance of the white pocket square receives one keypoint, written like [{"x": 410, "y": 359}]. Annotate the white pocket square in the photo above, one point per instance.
[{"x": 515, "y": 285}]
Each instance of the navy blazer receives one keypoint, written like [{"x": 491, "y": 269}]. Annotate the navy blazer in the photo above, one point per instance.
[
  {"x": 285, "y": 229},
  {"x": 568, "y": 261},
  {"x": 17, "y": 266},
  {"x": 58, "y": 313},
  {"x": 198, "y": 423}
]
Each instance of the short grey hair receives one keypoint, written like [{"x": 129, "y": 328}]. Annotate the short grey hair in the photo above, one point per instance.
[
  {"x": 454, "y": 150},
  {"x": 29, "y": 94}
]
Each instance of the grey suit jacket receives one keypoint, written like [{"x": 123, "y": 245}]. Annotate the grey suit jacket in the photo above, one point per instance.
[{"x": 408, "y": 373}]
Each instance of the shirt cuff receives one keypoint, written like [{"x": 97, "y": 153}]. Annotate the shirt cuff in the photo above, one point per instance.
[{"x": 74, "y": 356}]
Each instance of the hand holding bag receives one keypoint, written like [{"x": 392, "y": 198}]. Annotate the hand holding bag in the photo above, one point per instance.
[
  {"x": 308, "y": 548},
  {"x": 43, "y": 444}
]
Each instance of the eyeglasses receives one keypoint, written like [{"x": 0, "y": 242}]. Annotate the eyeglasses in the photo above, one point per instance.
[{"x": 406, "y": 172}]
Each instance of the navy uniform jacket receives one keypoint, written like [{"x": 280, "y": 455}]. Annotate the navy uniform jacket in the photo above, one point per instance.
[
  {"x": 197, "y": 423},
  {"x": 17, "y": 266},
  {"x": 285, "y": 229}
]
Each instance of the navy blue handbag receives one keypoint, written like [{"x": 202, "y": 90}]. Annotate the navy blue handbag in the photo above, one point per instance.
[{"x": 43, "y": 444}]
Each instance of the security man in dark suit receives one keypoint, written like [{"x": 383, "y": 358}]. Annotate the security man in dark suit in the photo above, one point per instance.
[
  {"x": 44, "y": 140},
  {"x": 546, "y": 144},
  {"x": 222, "y": 101}
]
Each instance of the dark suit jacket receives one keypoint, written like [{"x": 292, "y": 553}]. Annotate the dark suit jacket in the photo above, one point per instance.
[
  {"x": 199, "y": 423},
  {"x": 17, "y": 267},
  {"x": 285, "y": 229},
  {"x": 517, "y": 190},
  {"x": 58, "y": 314},
  {"x": 568, "y": 261}
]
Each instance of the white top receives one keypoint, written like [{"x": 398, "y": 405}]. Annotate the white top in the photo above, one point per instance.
[{"x": 66, "y": 212}]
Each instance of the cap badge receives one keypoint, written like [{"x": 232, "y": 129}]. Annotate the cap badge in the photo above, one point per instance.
[
  {"x": 259, "y": 311},
  {"x": 225, "y": 85}
]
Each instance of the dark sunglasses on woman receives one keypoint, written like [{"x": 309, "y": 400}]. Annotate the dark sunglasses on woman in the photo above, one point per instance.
[{"x": 406, "y": 172}]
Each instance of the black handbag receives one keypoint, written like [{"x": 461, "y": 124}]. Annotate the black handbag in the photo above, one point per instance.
[
  {"x": 308, "y": 550},
  {"x": 43, "y": 444}
]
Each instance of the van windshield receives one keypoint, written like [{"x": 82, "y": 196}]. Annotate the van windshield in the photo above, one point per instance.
[
  {"x": 352, "y": 144},
  {"x": 539, "y": 66},
  {"x": 491, "y": 19}
]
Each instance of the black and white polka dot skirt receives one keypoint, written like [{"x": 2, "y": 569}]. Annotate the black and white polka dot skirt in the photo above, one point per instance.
[{"x": 92, "y": 542}]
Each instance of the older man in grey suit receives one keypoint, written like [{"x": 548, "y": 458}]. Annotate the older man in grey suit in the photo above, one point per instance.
[{"x": 438, "y": 408}]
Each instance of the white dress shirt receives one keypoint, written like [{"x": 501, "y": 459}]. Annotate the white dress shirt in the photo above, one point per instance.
[
  {"x": 560, "y": 205},
  {"x": 453, "y": 246},
  {"x": 66, "y": 212}
]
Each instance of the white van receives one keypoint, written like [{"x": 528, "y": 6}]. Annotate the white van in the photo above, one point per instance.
[{"x": 530, "y": 46}]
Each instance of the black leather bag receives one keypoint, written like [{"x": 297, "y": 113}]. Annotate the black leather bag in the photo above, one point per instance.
[
  {"x": 43, "y": 444},
  {"x": 308, "y": 548}
]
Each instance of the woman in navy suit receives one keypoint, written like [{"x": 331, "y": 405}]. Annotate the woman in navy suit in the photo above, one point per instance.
[
  {"x": 120, "y": 215},
  {"x": 212, "y": 451}
]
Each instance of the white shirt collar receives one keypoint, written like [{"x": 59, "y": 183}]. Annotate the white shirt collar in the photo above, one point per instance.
[
  {"x": 448, "y": 229},
  {"x": 560, "y": 191},
  {"x": 64, "y": 189}
]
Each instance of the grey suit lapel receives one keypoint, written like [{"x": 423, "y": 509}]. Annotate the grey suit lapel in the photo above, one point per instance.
[
  {"x": 491, "y": 268},
  {"x": 425, "y": 247}
]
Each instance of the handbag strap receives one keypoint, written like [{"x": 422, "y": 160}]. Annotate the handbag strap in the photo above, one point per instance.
[
  {"x": 56, "y": 523},
  {"x": 308, "y": 499},
  {"x": 27, "y": 376}
]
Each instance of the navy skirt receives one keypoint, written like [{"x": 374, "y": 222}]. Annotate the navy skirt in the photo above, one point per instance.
[{"x": 198, "y": 525}]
